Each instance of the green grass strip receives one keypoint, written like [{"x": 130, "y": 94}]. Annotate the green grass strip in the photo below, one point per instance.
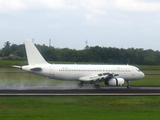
[{"x": 80, "y": 108}]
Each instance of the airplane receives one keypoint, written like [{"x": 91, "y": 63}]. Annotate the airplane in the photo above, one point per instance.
[{"x": 111, "y": 75}]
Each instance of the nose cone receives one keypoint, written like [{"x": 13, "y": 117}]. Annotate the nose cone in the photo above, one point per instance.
[{"x": 142, "y": 75}]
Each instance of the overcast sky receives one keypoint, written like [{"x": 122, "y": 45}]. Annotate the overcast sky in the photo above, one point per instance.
[{"x": 69, "y": 23}]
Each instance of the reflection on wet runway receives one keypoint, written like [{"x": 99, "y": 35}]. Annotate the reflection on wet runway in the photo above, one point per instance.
[{"x": 73, "y": 87}]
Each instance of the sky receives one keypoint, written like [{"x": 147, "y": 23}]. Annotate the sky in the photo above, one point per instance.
[{"x": 69, "y": 23}]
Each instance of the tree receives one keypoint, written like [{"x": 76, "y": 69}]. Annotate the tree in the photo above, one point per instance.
[{"x": 7, "y": 44}]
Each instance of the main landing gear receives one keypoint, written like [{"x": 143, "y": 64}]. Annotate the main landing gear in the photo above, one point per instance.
[
  {"x": 128, "y": 86},
  {"x": 97, "y": 86},
  {"x": 80, "y": 85}
]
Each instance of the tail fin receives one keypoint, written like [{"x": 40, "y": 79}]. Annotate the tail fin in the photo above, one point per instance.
[{"x": 33, "y": 55}]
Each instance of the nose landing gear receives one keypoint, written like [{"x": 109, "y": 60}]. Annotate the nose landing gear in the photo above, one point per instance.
[{"x": 128, "y": 86}]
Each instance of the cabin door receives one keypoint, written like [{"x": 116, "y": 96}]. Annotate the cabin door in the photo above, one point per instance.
[{"x": 52, "y": 71}]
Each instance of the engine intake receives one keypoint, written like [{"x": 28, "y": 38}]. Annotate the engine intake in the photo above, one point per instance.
[{"x": 114, "y": 82}]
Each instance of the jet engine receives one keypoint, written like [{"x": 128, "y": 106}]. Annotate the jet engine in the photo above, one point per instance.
[{"x": 114, "y": 82}]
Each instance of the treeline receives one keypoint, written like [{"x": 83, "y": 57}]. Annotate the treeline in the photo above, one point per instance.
[{"x": 88, "y": 54}]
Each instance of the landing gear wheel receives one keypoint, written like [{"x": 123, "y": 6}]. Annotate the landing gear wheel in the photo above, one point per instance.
[
  {"x": 128, "y": 87},
  {"x": 80, "y": 85},
  {"x": 97, "y": 86}
]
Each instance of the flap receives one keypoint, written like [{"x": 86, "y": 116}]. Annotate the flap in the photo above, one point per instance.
[{"x": 94, "y": 78}]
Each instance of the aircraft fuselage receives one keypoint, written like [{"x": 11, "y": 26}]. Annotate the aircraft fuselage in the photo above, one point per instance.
[{"x": 74, "y": 72}]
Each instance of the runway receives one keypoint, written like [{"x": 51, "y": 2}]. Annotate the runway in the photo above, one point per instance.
[{"x": 74, "y": 91}]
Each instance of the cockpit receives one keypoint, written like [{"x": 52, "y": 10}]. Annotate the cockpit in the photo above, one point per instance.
[{"x": 139, "y": 70}]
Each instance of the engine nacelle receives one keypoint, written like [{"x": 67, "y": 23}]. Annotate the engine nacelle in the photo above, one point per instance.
[{"x": 114, "y": 82}]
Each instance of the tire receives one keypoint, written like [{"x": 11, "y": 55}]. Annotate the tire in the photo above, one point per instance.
[
  {"x": 97, "y": 86},
  {"x": 80, "y": 85},
  {"x": 128, "y": 87}
]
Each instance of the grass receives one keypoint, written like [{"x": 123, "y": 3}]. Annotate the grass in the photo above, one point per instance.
[
  {"x": 78, "y": 108},
  {"x": 148, "y": 80},
  {"x": 148, "y": 67},
  {"x": 8, "y": 64}
]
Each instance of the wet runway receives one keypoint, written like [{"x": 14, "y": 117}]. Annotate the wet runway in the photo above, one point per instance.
[{"x": 62, "y": 90}]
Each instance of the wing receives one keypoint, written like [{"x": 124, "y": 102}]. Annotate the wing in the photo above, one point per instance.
[{"x": 102, "y": 76}]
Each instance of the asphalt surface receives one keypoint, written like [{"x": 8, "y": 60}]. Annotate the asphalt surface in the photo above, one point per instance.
[{"x": 74, "y": 91}]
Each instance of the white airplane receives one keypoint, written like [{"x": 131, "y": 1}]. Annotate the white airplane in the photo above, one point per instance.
[{"x": 111, "y": 75}]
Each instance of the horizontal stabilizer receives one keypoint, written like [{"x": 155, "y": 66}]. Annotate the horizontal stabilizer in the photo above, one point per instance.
[{"x": 20, "y": 67}]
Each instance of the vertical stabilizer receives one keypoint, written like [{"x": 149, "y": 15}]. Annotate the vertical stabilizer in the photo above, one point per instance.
[{"x": 33, "y": 55}]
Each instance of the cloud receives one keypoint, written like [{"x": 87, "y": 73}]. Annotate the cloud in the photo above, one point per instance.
[
  {"x": 107, "y": 12},
  {"x": 94, "y": 6},
  {"x": 9, "y": 5},
  {"x": 92, "y": 12},
  {"x": 135, "y": 5},
  {"x": 58, "y": 4}
]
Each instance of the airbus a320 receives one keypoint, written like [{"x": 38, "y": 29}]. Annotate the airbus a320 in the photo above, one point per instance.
[{"x": 111, "y": 75}]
